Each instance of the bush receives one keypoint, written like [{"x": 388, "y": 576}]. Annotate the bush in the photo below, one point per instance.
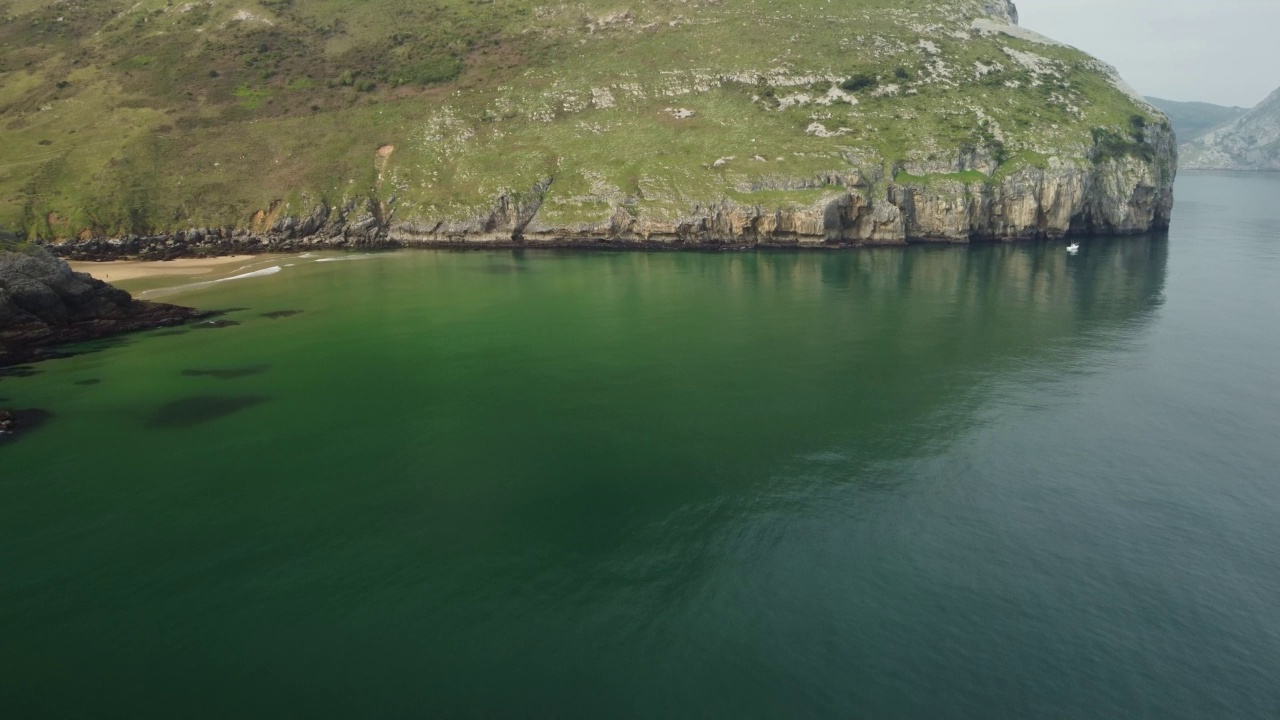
[{"x": 859, "y": 82}]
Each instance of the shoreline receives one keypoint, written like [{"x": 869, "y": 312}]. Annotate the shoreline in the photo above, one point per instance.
[
  {"x": 138, "y": 258},
  {"x": 126, "y": 269}
]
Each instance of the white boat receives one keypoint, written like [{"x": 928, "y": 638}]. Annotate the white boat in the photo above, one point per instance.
[{"x": 1073, "y": 248}]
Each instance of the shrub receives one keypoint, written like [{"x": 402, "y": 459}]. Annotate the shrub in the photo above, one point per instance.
[{"x": 859, "y": 82}]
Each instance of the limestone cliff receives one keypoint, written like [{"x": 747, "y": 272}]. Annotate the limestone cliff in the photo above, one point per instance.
[{"x": 671, "y": 123}]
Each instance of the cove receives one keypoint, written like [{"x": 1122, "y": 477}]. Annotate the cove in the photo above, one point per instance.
[{"x": 931, "y": 482}]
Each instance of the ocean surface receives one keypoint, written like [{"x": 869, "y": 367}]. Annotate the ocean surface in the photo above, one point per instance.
[{"x": 932, "y": 482}]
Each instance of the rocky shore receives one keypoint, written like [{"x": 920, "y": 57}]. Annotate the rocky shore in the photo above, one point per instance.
[
  {"x": 965, "y": 199},
  {"x": 44, "y": 305}
]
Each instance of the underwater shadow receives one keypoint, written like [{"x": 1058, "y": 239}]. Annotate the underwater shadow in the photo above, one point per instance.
[
  {"x": 197, "y": 410},
  {"x": 228, "y": 373}
]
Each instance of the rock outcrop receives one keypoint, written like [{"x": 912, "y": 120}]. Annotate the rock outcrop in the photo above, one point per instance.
[
  {"x": 43, "y": 304},
  {"x": 1250, "y": 142},
  {"x": 1112, "y": 193}
]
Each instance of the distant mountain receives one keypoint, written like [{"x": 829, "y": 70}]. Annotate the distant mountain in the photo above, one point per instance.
[
  {"x": 1193, "y": 119},
  {"x": 1250, "y": 142}
]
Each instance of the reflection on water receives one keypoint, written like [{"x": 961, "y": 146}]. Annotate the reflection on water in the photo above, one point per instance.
[{"x": 922, "y": 482}]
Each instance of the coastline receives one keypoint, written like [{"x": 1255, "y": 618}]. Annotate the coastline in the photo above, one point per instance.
[
  {"x": 134, "y": 258},
  {"x": 124, "y": 270}
]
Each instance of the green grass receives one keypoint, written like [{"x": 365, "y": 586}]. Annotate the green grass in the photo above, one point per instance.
[
  {"x": 164, "y": 116},
  {"x": 251, "y": 98},
  {"x": 968, "y": 177}
]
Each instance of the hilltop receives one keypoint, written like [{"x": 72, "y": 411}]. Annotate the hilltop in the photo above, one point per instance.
[
  {"x": 219, "y": 122},
  {"x": 1250, "y": 142},
  {"x": 1192, "y": 119}
]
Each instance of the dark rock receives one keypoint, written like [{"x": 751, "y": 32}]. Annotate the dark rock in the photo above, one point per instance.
[
  {"x": 44, "y": 304},
  {"x": 278, "y": 314}
]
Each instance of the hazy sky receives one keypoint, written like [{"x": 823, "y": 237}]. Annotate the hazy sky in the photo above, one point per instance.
[{"x": 1219, "y": 51}]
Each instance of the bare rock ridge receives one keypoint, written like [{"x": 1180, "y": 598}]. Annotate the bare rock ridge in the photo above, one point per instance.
[
  {"x": 1003, "y": 9},
  {"x": 1250, "y": 142},
  {"x": 43, "y": 304}
]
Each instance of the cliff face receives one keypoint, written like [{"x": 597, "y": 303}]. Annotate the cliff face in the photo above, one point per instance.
[
  {"x": 1107, "y": 195},
  {"x": 672, "y": 122},
  {"x": 1250, "y": 142},
  {"x": 44, "y": 304}
]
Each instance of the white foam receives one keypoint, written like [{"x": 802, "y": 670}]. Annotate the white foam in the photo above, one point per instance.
[
  {"x": 256, "y": 273},
  {"x": 344, "y": 258},
  {"x": 161, "y": 292}
]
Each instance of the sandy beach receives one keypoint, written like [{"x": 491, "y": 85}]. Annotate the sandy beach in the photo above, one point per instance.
[{"x": 125, "y": 270}]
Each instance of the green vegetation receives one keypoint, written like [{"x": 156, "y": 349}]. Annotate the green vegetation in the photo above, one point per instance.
[
  {"x": 158, "y": 115},
  {"x": 1111, "y": 145},
  {"x": 967, "y": 177},
  {"x": 250, "y": 98}
]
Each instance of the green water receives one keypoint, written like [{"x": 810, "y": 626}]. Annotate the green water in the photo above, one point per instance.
[{"x": 995, "y": 482}]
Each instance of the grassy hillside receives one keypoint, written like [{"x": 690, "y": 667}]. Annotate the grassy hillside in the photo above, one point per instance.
[
  {"x": 1193, "y": 119},
  {"x": 135, "y": 116}
]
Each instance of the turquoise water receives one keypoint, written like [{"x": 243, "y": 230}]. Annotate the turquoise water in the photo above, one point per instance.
[{"x": 921, "y": 483}]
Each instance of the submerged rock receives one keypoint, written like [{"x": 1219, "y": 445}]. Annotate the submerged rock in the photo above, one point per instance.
[
  {"x": 214, "y": 324},
  {"x": 14, "y": 423},
  {"x": 200, "y": 409},
  {"x": 228, "y": 373}
]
